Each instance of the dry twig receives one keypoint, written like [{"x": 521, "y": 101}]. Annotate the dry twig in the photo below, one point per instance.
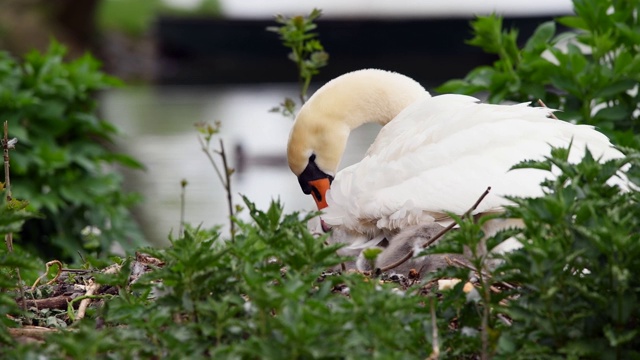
[
  {"x": 551, "y": 114},
  {"x": 32, "y": 332},
  {"x": 92, "y": 288},
  {"x": 46, "y": 271}
]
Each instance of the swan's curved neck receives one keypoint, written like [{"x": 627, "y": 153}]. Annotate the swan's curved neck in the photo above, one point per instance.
[{"x": 323, "y": 125}]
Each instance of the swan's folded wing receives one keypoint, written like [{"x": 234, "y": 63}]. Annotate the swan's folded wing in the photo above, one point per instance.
[{"x": 440, "y": 154}]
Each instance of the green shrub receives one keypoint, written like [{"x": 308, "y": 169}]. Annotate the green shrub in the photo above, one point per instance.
[
  {"x": 590, "y": 72},
  {"x": 9, "y": 262},
  {"x": 569, "y": 292},
  {"x": 136, "y": 18},
  {"x": 578, "y": 295},
  {"x": 266, "y": 295},
  {"x": 62, "y": 164}
]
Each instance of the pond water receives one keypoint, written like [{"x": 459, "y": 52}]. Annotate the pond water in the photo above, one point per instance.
[{"x": 157, "y": 128}]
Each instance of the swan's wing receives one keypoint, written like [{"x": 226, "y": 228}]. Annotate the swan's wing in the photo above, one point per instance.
[{"x": 440, "y": 154}]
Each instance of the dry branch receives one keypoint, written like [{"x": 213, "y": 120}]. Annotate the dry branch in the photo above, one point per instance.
[
  {"x": 92, "y": 289},
  {"x": 58, "y": 302},
  {"x": 48, "y": 265},
  {"x": 551, "y": 114},
  {"x": 31, "y": 332}
]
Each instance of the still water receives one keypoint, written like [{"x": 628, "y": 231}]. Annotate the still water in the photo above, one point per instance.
[{"x": 157, "y": 128}]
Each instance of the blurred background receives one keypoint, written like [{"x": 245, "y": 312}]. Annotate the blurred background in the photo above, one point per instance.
[{"x": 189, "y": 61}]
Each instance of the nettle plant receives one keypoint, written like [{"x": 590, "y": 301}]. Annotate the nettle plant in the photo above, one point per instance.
[
  {"x": 578, "y": 295},
  {"x": 62, "y": 164},
  {"x": 569, "y": 292},
  {"x": 591, "y": 72},
  {"x": 266, "y": 295}
]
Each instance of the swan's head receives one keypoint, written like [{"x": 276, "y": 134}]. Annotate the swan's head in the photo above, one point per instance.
[{"x": 320, "y": 132}]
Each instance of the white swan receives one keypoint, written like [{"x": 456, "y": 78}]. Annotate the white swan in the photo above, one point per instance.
[{"x": 433, "y": 155}]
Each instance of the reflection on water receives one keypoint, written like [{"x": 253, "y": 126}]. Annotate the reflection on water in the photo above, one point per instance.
[{"x": 157, "y": 128}]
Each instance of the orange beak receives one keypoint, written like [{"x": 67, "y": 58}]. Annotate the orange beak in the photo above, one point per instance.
[{"x": 320, "y": 187}]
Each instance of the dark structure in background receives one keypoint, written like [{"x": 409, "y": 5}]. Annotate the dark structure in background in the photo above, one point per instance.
[{"x": 206, "y": 51}]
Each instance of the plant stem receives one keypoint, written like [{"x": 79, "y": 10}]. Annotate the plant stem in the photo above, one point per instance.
[
  {"x": 301, "y": 80},
  {"x": 7, "y": 179},
  {"x": 225, "y": 181},
  {"x": 486, "y": 294},
  {"x": 304, "y": 89},
  {"x": 227, "y": 185},
  {"x": 435, "y": 354},
  {"x": 183, "y": 186},
  {"x": 7, "y": 185},
  {"x": 205, "y": 147}
]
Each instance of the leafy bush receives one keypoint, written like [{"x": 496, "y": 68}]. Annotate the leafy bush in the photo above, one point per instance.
[
  {"x": 265, "y": 296},
  {"x": 569, "y": 292},
  {"x": 135, "y": 18},
  {"x": 579, "y": 296},
  {"x": 62, "y": 165},
  {"x": 9, "y": 262},
  {"x": 591, "y": 72},
  {"x": 269, "y": 295}
]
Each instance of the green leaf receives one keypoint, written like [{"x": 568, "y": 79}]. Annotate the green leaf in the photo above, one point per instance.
[
  {"x": 487, "y": 33},
  {"x": 572, "y": 22},
  {"x": 615, "y": 112},
  {"x": 615, "y": 88},
  {"x": 541, "y": 37},
  {"x": 123, "y": 159}
]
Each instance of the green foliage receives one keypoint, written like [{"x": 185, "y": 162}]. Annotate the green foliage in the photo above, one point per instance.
[
  {"x": 269, "y": 295},
  {"x": 61, "y": 164},
  {"x": 572, "y": 292},
  {"x": 13, "y": 214},
  {"x": 578, "y": 297},
  {"x": 591, "y": 73},
  {"x": 306, "y": 52},
  {"x": 265, "y": 296},
  {"x": 135, "y": 18}
]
